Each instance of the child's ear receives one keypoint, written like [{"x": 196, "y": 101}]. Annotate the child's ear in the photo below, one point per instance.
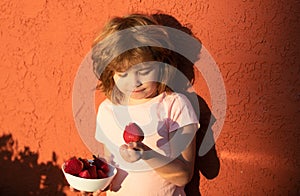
[{"x": 98, "y": 86}]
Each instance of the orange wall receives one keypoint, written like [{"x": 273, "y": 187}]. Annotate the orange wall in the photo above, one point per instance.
[{"x": 255, "y": 44}]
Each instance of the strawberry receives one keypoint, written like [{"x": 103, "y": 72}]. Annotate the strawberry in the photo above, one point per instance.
[
  {"x": 105, "y": 168},
  {"x": 93, "y": 171},
  {"x": 98, "y": 162},
  {"x": 86, "y": 163},
  {"x": 133, "y": 133},
  {"x": 101, "y": 174},
  {"x": 73, "y": 166},
  {"x": 84, "y": 174}
]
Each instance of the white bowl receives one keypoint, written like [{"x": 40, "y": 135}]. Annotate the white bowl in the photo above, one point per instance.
[{"x": 89, "y": 185}]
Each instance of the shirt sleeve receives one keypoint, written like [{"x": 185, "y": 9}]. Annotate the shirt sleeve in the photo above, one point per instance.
[
  {"x": 102, "y": 124},
  {"x": 99, "y": 133},
  {"x": 181, "y": 113}
]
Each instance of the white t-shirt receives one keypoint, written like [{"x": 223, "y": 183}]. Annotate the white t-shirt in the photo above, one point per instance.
[{"x": 157, "y": 118}]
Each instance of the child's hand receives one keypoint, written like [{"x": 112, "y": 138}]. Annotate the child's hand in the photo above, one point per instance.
[
  {"x": 133, "y": 151},
  {"x": 96, "y": 193}
]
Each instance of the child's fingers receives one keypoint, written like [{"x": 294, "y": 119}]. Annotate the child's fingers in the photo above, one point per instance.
[
  {"x": 129, "y": 154},
  {"x": 138, "y": 146},
  {"x": 83, "y": 193},
  {"x": 131, "y": 144},
  {"x": 123, "y": 150},
  {"x": 96, "y": 193},
  {"x": 73, "y": 189},
  {"x": 124, "y": 147},
  {"x": 134, "y": 146}
]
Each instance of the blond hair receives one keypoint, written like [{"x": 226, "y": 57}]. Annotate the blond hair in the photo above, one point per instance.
[{"x": 109, "y": 52}]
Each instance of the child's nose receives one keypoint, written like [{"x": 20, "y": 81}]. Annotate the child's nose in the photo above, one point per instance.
[{"x": 136, "y": 81}]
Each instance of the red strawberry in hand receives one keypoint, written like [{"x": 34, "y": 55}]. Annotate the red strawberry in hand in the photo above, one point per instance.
[
  {"x": 133, "y": 133},
  {"x": 73, "y": 166}
]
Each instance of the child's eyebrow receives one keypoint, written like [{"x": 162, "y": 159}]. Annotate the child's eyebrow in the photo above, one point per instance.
[{"x": 145, "y": 66}]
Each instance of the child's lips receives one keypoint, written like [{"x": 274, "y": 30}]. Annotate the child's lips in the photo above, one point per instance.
[{"x": 137, "y": 90}]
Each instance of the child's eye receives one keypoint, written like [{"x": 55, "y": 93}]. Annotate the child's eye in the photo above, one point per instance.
[
  {"x": 122, "y": 75},
  {"x": 145, "y": 72}
]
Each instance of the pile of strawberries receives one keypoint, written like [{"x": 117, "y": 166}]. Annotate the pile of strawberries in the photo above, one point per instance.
[{"x": 95, "y": 169}]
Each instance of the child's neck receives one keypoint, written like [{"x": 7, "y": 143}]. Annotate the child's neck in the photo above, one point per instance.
[
  {"x": 138, "y": 101},
  {"x": 132, "y": 101}
]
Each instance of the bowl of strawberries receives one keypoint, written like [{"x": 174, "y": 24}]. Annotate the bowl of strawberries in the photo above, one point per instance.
[{"x": 88, "y": 175}]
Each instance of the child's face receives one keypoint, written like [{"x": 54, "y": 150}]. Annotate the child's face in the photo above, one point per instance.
[{"x": 139, "y": 82}]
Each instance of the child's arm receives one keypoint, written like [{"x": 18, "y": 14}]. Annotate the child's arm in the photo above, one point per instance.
[{"x": 177, "y": 170}]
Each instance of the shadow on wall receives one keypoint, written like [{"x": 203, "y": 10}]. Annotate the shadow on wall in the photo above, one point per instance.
[
  {"x": 22, "y": 175},
  {"x": 209, "y": 164}
]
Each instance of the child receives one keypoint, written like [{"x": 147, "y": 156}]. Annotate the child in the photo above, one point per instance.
[{"x": 137, "y": 85}]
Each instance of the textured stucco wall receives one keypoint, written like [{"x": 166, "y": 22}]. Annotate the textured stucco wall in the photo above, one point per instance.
[{"x": 255, "y": 43}]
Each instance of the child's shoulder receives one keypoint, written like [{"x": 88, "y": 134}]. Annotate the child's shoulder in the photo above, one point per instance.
[
  {"x": 105, "y": 104},
  {"x": 174, "y": 96},
  {"x": 178, "y": 102}
]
